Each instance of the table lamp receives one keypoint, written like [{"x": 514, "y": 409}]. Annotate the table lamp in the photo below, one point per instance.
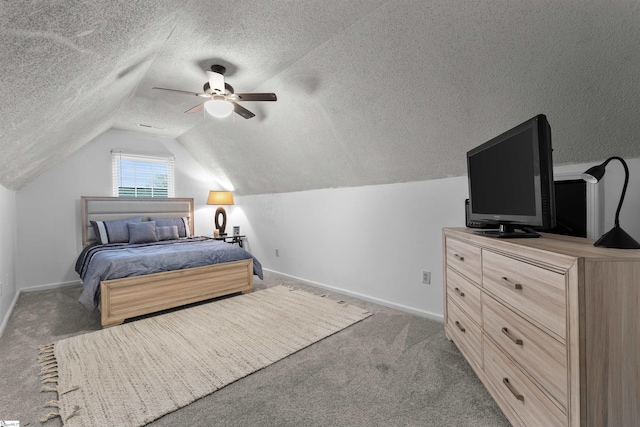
[{"x": 220, "y": 198}]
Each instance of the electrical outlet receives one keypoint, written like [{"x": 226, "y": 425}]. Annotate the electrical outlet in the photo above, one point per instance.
[
  {"x": 426, "y": 277},
  {"x": 0, "y": 289},
  {"x": 277, "y": 252}
]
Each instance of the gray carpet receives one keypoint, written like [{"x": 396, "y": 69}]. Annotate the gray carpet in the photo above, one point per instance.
[{"x": 392, "y": 369}]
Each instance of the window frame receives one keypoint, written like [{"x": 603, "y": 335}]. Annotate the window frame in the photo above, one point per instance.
[{"x": 143, "y": 171}]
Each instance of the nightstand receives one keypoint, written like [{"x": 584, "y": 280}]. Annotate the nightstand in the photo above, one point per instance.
[{"x": 236, "y": 240}]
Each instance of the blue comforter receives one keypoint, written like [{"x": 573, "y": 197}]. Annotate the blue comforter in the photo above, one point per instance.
[{"x": 114, "y": 261}]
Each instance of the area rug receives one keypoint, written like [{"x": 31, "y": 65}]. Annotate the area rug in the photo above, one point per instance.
[{"x": 132, "y": 374}]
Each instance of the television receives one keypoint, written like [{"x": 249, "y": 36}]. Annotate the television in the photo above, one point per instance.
[{"x": 511, "y": 181}]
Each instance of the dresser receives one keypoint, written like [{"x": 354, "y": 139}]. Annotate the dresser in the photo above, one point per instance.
[{"x": 550, "y": 325}]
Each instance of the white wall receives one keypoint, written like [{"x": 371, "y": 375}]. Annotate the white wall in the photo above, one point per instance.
[
  {"x": 375, "y": 241},
  {"x": 8, "y": 226},
  {"x": 49, "y": 231},
  {"x": 371, "y": 241}
]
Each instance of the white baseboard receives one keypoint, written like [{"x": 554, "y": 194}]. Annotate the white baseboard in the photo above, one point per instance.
[
  {"x": 8, "y": 315},
  {"x": 51, "y": 286},
  {"x": 401, "y": 307}
]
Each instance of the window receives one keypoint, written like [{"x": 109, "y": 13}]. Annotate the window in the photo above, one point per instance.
[{"x": 142, "y": 176}]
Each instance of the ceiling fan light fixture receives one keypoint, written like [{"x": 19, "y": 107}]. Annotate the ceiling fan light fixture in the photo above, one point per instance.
[
  {"x": 218, "y": 108},
  {"x": 224, "y": 100}
]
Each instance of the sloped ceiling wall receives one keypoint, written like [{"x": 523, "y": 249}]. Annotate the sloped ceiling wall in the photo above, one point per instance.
[{"x": 369, "y": 91}]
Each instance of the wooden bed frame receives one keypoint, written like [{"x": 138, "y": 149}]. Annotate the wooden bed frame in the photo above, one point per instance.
[{"x": 129, "y": 297}]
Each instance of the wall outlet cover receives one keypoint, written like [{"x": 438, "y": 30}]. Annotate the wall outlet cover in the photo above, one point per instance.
[{"x": 426, "y": 277}]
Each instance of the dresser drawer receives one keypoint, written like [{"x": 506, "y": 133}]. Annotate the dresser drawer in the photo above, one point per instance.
[
  {"x": 465, "y": 294},
  {"x": 542, "y": 356},
  {"x": 465, "y": 333},
  {"x": 534, "y": 291},
  {"x": 464, "y": 258},
  {"x": 517, "y": 391}
]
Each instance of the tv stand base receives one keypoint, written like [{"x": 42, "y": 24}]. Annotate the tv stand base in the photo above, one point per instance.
[{"x": 508, "y": 232}]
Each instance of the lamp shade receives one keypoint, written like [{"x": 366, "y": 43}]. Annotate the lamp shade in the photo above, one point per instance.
[
  {"x": 218, "y": 107},
  {"x": 220, "y": 198},
  {"x": 594, "y": 174}
]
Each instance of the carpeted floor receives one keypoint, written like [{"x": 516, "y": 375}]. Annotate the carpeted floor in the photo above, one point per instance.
[{"x": 391, "y": 369}]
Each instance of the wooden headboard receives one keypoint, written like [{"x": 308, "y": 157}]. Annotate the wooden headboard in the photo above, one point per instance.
[{"x": 113, "y": 208}]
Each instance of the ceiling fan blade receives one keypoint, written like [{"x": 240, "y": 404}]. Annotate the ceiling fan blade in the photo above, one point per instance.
[
  {"x": 195, "y": 109},
  {"x": 242, "y": 111},
  {"x": 257, "y": 96},
  {"x": 216, "y": 81},
  {"x": 181, "y": 91}
]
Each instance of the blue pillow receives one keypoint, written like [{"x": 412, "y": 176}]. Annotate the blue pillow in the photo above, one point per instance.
[
  {"x": 113, "y": 231},
  {"x": 142, "y": 232},
  {"x": 167, "y": 232},
  {"x": 181, "y": 223}
]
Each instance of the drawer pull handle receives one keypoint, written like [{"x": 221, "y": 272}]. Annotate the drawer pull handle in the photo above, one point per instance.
[
  {"x": 459, "y": 257},
  {"x": 508, "y": 334},
  {"x": 512, "y": 390},
  {"x": 460, "y": 327},
  {"x": 516, "y": 286},
  {"x": 459, "y": 293}
]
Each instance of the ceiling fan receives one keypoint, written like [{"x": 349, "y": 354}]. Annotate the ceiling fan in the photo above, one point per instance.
[{"x": 222, "y": 99}]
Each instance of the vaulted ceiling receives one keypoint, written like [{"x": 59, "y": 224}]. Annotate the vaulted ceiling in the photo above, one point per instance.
[{"x": 369, "y": 91}]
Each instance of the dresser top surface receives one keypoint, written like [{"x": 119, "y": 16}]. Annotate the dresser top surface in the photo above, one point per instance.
[{"x": 576, "y": 247}]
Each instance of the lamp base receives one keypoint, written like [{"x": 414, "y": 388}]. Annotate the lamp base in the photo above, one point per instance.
[
  {"x": 617, "y": 238},
  {"x": 220, "y": 212}
]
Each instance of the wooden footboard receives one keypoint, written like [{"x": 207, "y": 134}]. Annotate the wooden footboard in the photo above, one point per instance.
[{"x": 121, "y": 299}]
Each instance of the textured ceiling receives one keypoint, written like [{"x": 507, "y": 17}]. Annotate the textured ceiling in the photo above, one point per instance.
[{"x": 369, "y": 91}]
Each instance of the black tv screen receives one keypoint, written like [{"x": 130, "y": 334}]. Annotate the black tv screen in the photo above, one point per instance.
[{"x": 511, "y": 179}]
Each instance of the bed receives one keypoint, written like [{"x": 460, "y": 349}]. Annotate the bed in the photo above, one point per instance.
[{"x": 154, "y": 285}]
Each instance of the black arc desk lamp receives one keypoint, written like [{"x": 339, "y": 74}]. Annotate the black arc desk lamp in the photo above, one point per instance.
[{"x": 616, "y": 237}]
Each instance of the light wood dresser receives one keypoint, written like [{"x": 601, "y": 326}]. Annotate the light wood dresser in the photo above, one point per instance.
[{"x": 551, "y": 325}]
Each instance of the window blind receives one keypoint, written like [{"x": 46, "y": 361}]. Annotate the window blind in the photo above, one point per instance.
[{"x": 136, "y": 175}]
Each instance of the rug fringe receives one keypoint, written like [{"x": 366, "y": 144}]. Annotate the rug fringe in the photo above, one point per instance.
[
  {"x": 49, "y": 372},
  {"x": 50, "y": 379},
  {"x": 52, "y": 404},
  {"x": 49, "y": 369},
  {"x": 46, "y": 347},
  {"x": 46, "y": 351},
  {"x": 47, "y": 358},
  {"x": 49, "y": 416},
  {"x": 48, "y": 363},
  {"x": 60, "y": 393}
]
